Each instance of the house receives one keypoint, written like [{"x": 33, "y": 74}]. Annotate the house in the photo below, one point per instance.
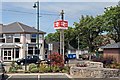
[
  {"x": 55, "y": 48},
  {"x": 18, "y": 40},
  {"x": 112, "y": 50}
]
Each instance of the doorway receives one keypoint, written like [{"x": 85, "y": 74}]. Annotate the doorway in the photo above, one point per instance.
[{"x": 7, "y": 54}]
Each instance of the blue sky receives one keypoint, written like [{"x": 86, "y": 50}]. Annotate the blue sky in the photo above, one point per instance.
[{"x": 73, "y": 12}]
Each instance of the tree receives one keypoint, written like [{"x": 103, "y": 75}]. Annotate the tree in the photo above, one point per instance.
[
  {"x": 112, "y": 22},
  {"x": 89, "y": 28},
  {"x": 70, "y": 38},
  {"x": 53, "y": 37}
]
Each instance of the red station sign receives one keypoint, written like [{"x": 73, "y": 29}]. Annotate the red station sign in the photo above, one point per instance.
[{"x": 61, "y": 24}]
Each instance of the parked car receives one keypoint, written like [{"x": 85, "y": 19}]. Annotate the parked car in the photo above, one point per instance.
[
  {"x": 28, "y": 60},
  {"x": 2, "y": 71}
]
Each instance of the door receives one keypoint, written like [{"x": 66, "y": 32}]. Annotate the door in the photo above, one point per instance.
[{"x": 7, "y": 54}]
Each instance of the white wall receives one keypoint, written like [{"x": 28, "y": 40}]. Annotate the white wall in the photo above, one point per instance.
[{"x": 28, "y": 38}]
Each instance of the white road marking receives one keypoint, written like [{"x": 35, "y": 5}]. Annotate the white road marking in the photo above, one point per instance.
[
  {"x": 38, "y": 76},
  {"x": 9, "y": 77}
]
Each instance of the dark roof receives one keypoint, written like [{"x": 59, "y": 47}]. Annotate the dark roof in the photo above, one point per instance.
[
  {"x": 115, "y": 45},
  {"x": 18, "y": 27}
]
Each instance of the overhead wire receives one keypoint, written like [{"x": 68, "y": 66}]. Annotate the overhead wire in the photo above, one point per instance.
[
  {"x": 51, "y": 14},
  {"x": 29, "y": 12}
]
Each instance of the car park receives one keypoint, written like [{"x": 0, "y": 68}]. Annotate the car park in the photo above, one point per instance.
[{"x": 28, "y": 60}]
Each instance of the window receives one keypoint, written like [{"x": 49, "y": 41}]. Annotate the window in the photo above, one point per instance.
[
  {"x": 2, "y": 40},
  {"x": 30, "y": 50},
  {"x": 37, "y": 51},
  {"x": 33, "y": 40},
  {"x": 17, "y": 40},
  {"x": 9, "y": 38},
  {"x": 45, "y": 56},
  {"x": 33, "y": 37},
  {"x": 17, "y": 53}
]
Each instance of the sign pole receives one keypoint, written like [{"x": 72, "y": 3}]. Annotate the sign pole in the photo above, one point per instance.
[
  {"x": 62, "y": 35},
  {"x": 61, "y": 25}
]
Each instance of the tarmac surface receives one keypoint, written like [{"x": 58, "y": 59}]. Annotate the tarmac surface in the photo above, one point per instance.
[{"x": 48, "y": 76}]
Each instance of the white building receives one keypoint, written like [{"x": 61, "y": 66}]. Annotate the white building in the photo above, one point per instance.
[{"x": 18, "y": 40}]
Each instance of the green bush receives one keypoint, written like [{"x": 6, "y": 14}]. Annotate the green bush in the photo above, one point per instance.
[
  {"x": 31, "y": 66},
  {"x": 42, "y": 68},
  {"x": 48, "y": 69},
  {"x": 34, "y": 70},
  {"x": 12, "y": 69},
  {"x": 55, "y": 69},
  {"x": 18, "y": 67},
  {"x": 65, "y": 69}
]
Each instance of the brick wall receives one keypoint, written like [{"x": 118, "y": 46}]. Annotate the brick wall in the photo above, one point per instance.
[{"x": 115, "y": 53}]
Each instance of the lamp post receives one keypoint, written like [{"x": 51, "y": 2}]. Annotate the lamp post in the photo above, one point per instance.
[{"x": 36, "y": 5}]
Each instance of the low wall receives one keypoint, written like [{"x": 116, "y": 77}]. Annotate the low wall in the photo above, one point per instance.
[{"x": 86, "y": 72}]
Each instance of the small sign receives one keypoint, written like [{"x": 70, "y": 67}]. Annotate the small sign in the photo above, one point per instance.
[
  {"x": 61, "y": 24},
  {"x": 50, "y": 46}
]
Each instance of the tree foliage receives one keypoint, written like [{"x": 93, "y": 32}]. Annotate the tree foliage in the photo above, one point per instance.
[
  {"x": 112, "y": 22},
  {"x": 89, "y": 28}
]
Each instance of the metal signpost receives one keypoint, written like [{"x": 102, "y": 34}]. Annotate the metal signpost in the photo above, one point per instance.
[{"x": 61, "y": 25}]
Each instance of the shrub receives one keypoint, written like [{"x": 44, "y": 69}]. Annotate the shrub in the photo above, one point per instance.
[
  {"x": 31, "y": 66},
  {"x": 42, "y": 68},
  {"x": 18, "y": 67},
  {"x": 56, "y": 59},
  {"x": 65, "y": 69},
  {"x": 34, "y": 70},
  {"x": 48, "y": 69},
  {"x": 12, "y": 69},
  {"x": 56, "y": 69}
]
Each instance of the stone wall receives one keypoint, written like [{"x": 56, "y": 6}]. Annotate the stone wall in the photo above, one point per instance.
[{"x": 87, "y": 72}]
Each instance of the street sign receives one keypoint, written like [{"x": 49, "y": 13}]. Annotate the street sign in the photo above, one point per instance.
[{"x": 61, "y": 24}]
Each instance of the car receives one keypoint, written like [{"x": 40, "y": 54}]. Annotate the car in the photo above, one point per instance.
[
  {"x": 28, "y": 60},
  {"x": 2, "y": 71}
]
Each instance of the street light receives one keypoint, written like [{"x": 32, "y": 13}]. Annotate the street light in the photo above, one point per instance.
[{"x": 36, "y": 5}]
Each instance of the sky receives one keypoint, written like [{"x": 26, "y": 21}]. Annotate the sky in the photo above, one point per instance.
[{"x": 23, "y": 11}]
